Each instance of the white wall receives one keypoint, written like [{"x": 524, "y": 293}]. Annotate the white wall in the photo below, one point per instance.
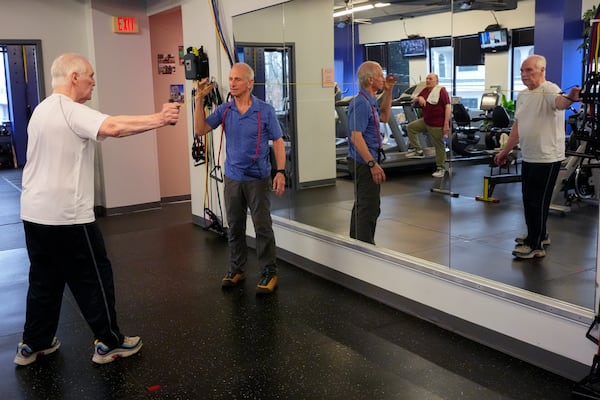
[{"x": 124, "y": 85}]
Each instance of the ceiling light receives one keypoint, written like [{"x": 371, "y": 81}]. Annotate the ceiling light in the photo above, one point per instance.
[
  {"x": 352, "y": 10},
  {"x": 379, "y": 5}
]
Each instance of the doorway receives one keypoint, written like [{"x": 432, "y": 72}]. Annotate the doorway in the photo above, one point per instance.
[{"x": 21, "y": 88}]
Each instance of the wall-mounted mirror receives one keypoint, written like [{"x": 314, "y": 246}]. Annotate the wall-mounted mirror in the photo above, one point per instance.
[{"x": 435, "y": 219}]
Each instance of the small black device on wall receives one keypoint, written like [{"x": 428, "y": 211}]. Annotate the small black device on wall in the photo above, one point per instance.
[{"x": 195, "y": 62}]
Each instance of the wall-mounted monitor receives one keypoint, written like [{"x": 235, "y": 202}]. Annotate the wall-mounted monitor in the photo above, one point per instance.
[
  {"x": 414, "y": 47},
  {"x": 495, "y": 40}
]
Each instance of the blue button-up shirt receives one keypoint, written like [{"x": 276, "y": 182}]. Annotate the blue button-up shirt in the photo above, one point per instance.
[
  {"x": 363, "y": 116},
  {"x": 247, "y": 158}
]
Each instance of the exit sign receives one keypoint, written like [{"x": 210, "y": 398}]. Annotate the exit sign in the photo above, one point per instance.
[{"x": 125, "y": 25}]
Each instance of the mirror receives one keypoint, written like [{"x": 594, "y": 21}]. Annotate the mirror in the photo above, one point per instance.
[
  {"x": 272, "y": 60},
  {"x": 446, "y": 226}
]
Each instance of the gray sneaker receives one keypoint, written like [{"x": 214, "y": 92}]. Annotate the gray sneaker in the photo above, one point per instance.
[
  {"x": 524, "y": 251},
  {"x": 439, "y": 173},
  {"x": 415, "y": 154},
  {"x": 521, "y": 240}
]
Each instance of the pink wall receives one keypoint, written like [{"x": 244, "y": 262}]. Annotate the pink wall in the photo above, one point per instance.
[{"x": 166, "y": 34}]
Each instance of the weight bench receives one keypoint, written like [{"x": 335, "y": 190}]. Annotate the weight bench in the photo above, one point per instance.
[{"x": 490, "y": 182}]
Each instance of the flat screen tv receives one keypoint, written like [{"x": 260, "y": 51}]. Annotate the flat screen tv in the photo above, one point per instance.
[
  {"x": 494, "y": 40},
  {"x": 414, "y": 47}
]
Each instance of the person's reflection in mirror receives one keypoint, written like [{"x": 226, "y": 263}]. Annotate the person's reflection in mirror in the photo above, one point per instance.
[
  {"x": 539, "y": 129},
  {"x": 248, "y": 124},
  {"x": 364, "y": 150},
  {"x": 434, "y": 100}
]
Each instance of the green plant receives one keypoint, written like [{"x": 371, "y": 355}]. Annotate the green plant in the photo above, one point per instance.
[
  {"x": 509, "y": 105},
  {"x": 587, "y": 18}
]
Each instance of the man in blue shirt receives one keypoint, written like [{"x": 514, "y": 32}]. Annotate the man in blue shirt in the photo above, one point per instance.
[
  {"x": 365, "y": 151},
  {"x": 248, "y": 124}
]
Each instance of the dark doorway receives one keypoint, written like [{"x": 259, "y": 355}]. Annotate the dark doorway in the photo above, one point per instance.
[{"x": 21, "y": 88}]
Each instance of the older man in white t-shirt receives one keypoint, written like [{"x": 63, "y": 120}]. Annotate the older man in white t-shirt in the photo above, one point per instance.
[
  {"x": 64, "y": 243},
  {"x": 539, "y": 128}
]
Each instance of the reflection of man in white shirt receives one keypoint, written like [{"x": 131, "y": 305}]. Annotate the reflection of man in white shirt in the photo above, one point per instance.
[{"x": 539, "y": 128}]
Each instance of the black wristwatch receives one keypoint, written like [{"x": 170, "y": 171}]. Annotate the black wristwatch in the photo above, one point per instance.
[
  {"x": 371, "y": 163},
  {"x": 280, "y": 171}
]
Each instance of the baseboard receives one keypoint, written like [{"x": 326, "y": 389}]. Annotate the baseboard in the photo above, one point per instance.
[
  {"x": 101, "y": 211},
  {"x": 319, "y": 183},
  {"x": 176, "y": 199}
]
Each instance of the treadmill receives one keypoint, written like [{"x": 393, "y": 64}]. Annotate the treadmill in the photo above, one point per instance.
[{"x": 394, "y": 140}]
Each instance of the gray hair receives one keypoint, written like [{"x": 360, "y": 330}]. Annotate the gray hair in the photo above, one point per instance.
[
  {"x": 248, "y": 68},
  {"x": 540, "y": 61},
  {"x": 64, "y": 65},
  {"x": 368, "y": 69}
]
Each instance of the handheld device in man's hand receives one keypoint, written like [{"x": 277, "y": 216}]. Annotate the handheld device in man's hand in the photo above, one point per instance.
[{"x": 172, "y": 101}]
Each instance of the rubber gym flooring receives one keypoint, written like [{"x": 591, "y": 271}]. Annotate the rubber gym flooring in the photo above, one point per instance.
[{"x": 311, "y": 339}]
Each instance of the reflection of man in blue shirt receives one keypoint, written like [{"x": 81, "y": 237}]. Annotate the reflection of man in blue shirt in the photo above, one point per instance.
[
  {"x": 365, "y": 149},
  {"x": 248, "y": 124}
]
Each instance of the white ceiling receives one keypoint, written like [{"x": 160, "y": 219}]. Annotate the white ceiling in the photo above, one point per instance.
[{"x": 401, "y": 9}]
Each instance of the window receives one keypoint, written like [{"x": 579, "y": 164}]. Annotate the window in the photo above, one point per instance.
[
  {"x": 377, "y": 52},
  {"x": 4, "y": 114},
  {"x": 522, "y": 48},
  {"x": 441, "y": 64},
  {"x": 469, "y": 74},
  {"x": 470, "y": 84},
  {"x": 275, "y": 86},
  {"x": 441, "y": 59},
  {"x": 389, "y": 56},
  {"x": 398, "y": 65}
]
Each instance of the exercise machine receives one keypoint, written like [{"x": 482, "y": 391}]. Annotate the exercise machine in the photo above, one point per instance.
[
  {"x": 394, "y": 140},
  {"x": 578, "y": 177},
  {"x": 466, "y": 137}
]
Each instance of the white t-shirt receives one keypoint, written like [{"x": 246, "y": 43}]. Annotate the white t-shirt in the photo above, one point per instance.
[
  {"x": 58, "y": 178},
  {"x": 541, "y": 124}
]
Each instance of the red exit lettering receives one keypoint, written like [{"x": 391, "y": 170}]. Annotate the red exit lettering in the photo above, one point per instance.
[{"x": 125, "y": 24}]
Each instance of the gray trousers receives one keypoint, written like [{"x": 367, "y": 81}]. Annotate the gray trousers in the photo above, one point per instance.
[{"x": 239, "y": 197}]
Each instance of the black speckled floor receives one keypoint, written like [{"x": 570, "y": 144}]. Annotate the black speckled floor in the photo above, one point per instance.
[{"x": 312, "y": 339}]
